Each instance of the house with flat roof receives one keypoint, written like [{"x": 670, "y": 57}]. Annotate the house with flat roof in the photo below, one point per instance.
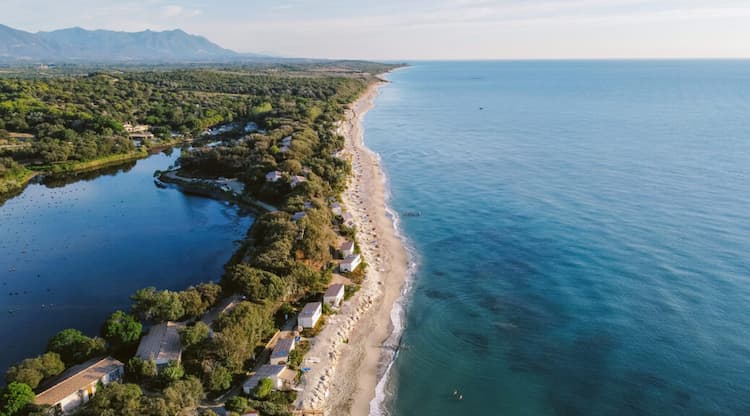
[
  {"x": 310, "y": 315},
  {"x": 273, "y": 176},
  {"x": 280, "y": 353},
  {"x": 275, "y": 372},
  {"x": 346, "y": 249},
  {"x": 161, "y": 344},
  {"x": 334, "y": 295},
  {"x": 350, "y": 263},
  {"x": 79, "y": 384}
]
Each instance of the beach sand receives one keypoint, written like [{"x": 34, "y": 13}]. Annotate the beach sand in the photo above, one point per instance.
[{"x": 346, "y": 357}]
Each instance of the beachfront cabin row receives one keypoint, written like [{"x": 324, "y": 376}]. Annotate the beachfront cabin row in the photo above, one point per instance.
[
  {"x": 161, "y": 344},
  {"x": 79, "y": 384},
  {"x": 350, "y": 263},
  {"x": 334, "y": 295},
  {"x": 282, "y": 377},
  {"x": 346, "y": 249},
  {"x": 274, "y": 176},
  {"x": 310, "y": 315},
  {"x": 280, "y": 353}
]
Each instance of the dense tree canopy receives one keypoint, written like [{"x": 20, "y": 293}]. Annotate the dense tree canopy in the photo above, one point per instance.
[
  {"x": 32, "y": 371},
  {"x": 75, "y": 347},
  {"x": 121, "y": 329}
]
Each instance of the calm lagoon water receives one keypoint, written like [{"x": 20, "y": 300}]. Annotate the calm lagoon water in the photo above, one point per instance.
[
  {"x": 73, "y": 251},
  {"x": 584, "y": 244}
]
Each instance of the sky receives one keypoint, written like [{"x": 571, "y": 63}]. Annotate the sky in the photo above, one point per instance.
[{"x": 421, "y": 29}]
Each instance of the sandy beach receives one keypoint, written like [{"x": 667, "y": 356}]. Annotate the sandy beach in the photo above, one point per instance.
[{"x": 346, "y": 357}]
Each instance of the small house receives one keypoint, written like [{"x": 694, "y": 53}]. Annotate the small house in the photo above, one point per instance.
[
  {"x": 346, "y": 249},
  {"x": 297, "y": 180},
  {"x": 161, "y": 344},
  {"x": 350, "y": 263},
  {"x": 273, "y": 176},
  {"x": 310, "y": 315},
  {"x": 334, "y": 295},
  {"x": 79, "y": 384},
  {"x": 280, "y": 353},
  {"x": 274, "y": 372},
  {"x": 298, "y": 216},
  {"x": 336, "y": 209},
  {"x": 348, "y": 219}
]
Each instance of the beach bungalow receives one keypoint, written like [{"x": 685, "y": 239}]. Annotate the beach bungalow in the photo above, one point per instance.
[
  {"x": 310, "y": 315},
  {"x": 297, "y": 180},
  {"x": 334, "y": 295},
  {"x": 298, "y": 216},
  {"x": 350, "y": 263},
  {"x": 280, "y": 353},
  {"x": 346, "y": 249},
  {"x": 336, "y": 209},
  {"x": 273, "y": 176},
  {"x": 274, "y": 372},
  {"x": 161, "y": 344},
  {"x": 79, "y": 384}
]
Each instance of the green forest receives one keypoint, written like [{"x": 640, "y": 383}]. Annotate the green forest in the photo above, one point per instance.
[{"x": 282, "y": 263}]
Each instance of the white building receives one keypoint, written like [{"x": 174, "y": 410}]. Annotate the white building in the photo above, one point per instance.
[
  {"x": 297, "y": 180},
  {"x": 274, "y": 372},
  {"x": 348, "y": 219},
  {"x": 273, "y": 176},
  {"x": 161, "y": 344},
  {"x": 80, "y": 384},
  {"x": 346, "y": 249},
  {"x": 334, "y": 295},
  {"x": 336, "y": 209},
  {"x": 350, "y": 263},
  {"x": 310, "y": 315},
  {"x": 280, "y": 353}
]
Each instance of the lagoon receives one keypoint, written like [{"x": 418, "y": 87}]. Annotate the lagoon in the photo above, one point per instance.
[{"x": 72, "y": 250}]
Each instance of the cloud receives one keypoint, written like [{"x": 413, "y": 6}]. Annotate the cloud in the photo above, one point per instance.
[{"x": 176, "y": 11}]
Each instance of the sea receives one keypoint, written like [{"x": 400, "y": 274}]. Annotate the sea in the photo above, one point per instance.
[
  {"x": 73, "y": 249},
  {"x": 581, "y": 231}
]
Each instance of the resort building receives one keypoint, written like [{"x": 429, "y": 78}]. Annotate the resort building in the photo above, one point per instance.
[
  {"x": 161, "y": 344},
  {"x": 273, "y": 176},
  {"x": 79, "y": 384},
  {"x": 280, "y": 353},
  {"x": 297, "y": 180},
  {"x": 334, "y": 295},
  {"x": 275, "y": 372},
  {"x": 346, "y": 249},
  {"x": 310, "y": 315},
  {"x": 350, "y": 263}
]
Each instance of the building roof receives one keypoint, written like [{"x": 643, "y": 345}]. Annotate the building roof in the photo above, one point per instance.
[
  {"x": 351, "y": 259},
  {"x": 263, "y": 372},
  {"x": 310, "y": 309},
  {"x": 298, "y": 216},
  {"x": 334, "y": 290},
  {"x": 346, "y": 246},
  {"x": 162, "y": 343},
  {"x": 282, "y": 348},
  {"x": 273, "y": 175},
  {"x": 80, "y": 377}
]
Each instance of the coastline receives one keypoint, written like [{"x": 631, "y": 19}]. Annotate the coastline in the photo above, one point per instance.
[{"x": 350, "y": 347}]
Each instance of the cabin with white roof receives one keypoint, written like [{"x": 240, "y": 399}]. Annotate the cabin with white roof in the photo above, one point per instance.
[
  {"x": 310, "y": 315},
  {"x": 280, "y": 353},
  {"x": 350, "y": 263},
  {"x": 161, "y": 344},
  {"x": 346, "y": 249},
  {"x": 273, "y": 176},
  {"x": 334, "y": 295}
]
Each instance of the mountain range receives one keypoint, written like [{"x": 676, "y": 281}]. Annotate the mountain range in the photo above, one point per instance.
[{"x": 81, "y": 45}]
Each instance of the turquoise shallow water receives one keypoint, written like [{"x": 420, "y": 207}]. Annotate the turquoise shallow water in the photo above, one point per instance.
[
  {"x": 72, "y": 252},
  {"x": 584, "y": 241}
]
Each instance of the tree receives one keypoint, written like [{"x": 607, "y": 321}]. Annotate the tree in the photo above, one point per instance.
[
  {"x": 264, "y": 388},
  {"x": 74, "y": 347},
  {"x": 258, "y": 285},
  {"x": 141, "y": 369},
  {"x": 219, "y": 379},
  {"x": 31, "y": 371},
  {"x": 172, "y": 372},
  {"x": 195, "y": 334},
  {"x": 121, "y": 329},
  {"x": 157, "y": 306},
  {"x": 236, "y": 404},
  {"x": 192, "y": 303},
  {"x": 184, "y": 395},
  {"x": 116, "y": 399},
  {"x": 14, "y": 398}
]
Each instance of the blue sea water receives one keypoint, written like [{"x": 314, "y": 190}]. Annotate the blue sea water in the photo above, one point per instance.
[
  {"x": 584, "y": 244},
  {"x": 73, "y": 251}
]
